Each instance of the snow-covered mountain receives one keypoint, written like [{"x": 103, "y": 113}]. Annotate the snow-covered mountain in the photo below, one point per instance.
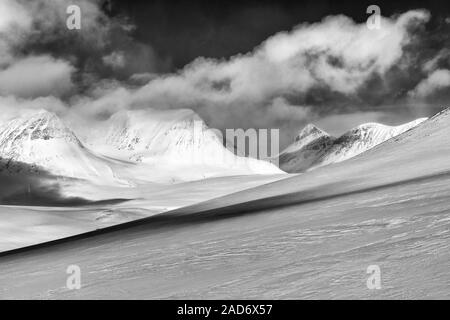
[
  {"x": 314, "y": 147},
  {"x": 132, "y": 147},
  {"x": 362, "y": 138},
  {"x": 307, "y": 135},
  {"x": 307, "y": 148},
  {"x": 42, "y": 141},
  {"x": 175, "y": 138},
  {"x": 167, "y": 146}
]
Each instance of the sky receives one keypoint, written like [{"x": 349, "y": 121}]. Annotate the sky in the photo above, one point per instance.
[{"x": 238, "y": 64}]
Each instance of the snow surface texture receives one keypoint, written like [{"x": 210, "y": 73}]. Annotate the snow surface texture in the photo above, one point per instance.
[
  {"x": 309, "y": 236},
  {"x": 315, "y": 148},
  {"x": 103, "y": 206}
]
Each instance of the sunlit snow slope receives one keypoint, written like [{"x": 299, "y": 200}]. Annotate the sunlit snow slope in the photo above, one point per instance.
[
  {"x": 43, "y": 141},
  {"x": 310, "y": 236},
  {"x": 172, "y": 139}
]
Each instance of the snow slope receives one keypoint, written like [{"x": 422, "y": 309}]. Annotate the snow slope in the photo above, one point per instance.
[
  {"x": 315, "y": 148},
  {"x": 25, "y": 225},
  {"x": 175, "y": 138},
  {"x": 362, "y": 138},
  {"x": 310, "y": 236},
  {"x": 43, "y": 141}
]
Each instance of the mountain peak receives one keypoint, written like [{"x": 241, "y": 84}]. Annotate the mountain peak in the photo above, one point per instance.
[
  {"x": 37, "y": 125},
  {"x": 370, "y": 125},
  {"x": 309, "y": 134},
  {"x": 142, "y": 130},
  {"x": 363, "y": 138},
  {"x": 310, "y": 130},
  {"x": 377, "y": 128},
  {"x": 315, "y": 148},
  {"x": 175, "y": 138}
]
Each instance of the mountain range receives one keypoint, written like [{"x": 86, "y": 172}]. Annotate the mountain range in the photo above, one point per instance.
[
  {"x": 166, "y": 146},
  {"x": 309, "y": 236},
  {"x": 315, "y": 148},
  {"x": 129, "y": 148}
]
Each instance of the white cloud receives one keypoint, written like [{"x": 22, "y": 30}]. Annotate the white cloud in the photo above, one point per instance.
[
  {"x": 260, "y": 88},
  {"x": 433, "y": 63},
  {"x": 437, "y": 80},
  {"x": 24, "y": 21},
  {"x": 280, "y": 109},
  {"x": 12, "y": 107},
  {"x": 36, "y": 76},
  {"x": 13, "y": 14},
  {"x": 115, "y": 60},
  {"x": 336, "y": 54}
]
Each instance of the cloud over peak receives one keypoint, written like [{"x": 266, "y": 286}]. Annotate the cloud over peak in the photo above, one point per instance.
[
  {"x": 330, "y": 67},
  {"x": 336, "y": 57}
]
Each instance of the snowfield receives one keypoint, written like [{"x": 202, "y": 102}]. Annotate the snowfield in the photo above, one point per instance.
[
  {"x": 25, "y": 225},
  {"x": 307, "y": 236}
]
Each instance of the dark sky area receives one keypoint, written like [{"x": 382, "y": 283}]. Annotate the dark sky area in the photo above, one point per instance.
[{"x": 181, "y": 30}]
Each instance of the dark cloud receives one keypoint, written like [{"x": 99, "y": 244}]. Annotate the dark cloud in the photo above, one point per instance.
[{"x": 76, "y": 59}]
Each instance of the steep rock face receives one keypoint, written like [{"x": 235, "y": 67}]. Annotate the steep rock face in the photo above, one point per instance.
[
  {"x": 314, "y": 148},
  {"x": 43, "y": 141}
]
